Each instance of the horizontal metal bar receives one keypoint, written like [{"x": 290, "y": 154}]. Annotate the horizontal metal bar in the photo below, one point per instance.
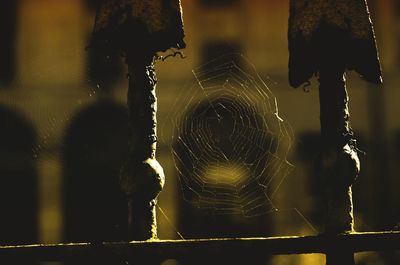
[{"x": 200, "y": 248}]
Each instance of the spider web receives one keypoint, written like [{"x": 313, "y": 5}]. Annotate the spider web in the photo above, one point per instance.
[{"x": 229, "y": 144}]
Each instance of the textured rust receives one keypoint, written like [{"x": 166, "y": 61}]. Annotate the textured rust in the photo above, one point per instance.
[
  {"x": 122, "y": 26},
  {"x": 326, "y": 38},
  {"x": 320, "y": 30},
  {"x": 139, "y": 30},
  {"x": 199, "y": 248},
  {"x": 339, "y": 160},
  {"x": 142, "y": 177},
  {"x": 351, "y": 16}
]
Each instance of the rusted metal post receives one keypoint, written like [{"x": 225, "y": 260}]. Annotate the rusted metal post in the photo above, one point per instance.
[
  {"x": 339, "y": 160},
  {"x": 142, "y": 177},
  {"x": 138, "y": 30},
  {"x": 326, "y": 38}
]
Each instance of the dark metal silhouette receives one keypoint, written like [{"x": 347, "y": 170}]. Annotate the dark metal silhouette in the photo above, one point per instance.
[
  {"x": 19, "y": 182},
  {"x": 326, "y": 38},
  {"x": 138, "y": 30}
]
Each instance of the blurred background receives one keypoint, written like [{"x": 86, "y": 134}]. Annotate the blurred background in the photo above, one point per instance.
[{"x": 63, "y": 134}]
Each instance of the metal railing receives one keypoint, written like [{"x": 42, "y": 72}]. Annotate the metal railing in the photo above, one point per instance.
[{"x": 199, "y": 248}]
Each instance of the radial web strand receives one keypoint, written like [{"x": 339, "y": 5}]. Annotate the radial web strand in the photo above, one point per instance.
[{"x": 229, "y": 144}]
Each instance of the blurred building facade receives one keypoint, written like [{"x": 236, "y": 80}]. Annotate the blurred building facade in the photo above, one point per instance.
[{"x": 53, "y": 81}]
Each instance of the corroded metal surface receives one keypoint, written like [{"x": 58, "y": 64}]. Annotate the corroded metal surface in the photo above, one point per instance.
[
  {"x": 326, "y": 38},
  {"x": 322, "y": 30},
  {"x": 138, "y": 30},
  {"x": 155, "y": 25},
  {"x": 201, "y": 248},
  {"x": 142, "y": 177},
  {"x": 339, "y": 163},
  {"x": 352, "y": 16}
]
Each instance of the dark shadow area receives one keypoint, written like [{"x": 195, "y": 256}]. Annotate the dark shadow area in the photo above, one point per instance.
[
  {"x": 92, "y": 4},
  {"x": 103, "y": 69},
  {"x": 18, "y": 186},
  {"x": 215, "y": 49},
  {"x": 8, "y": 26},
  {"x": 307, "y": 154},
  {"x": 396, "y": 181},
  {"x": 219, "y": 3},
  {"x": 94, "y": 149}
]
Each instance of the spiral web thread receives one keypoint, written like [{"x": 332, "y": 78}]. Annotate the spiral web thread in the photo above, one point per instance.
[{"x": 229, "y": 144}]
